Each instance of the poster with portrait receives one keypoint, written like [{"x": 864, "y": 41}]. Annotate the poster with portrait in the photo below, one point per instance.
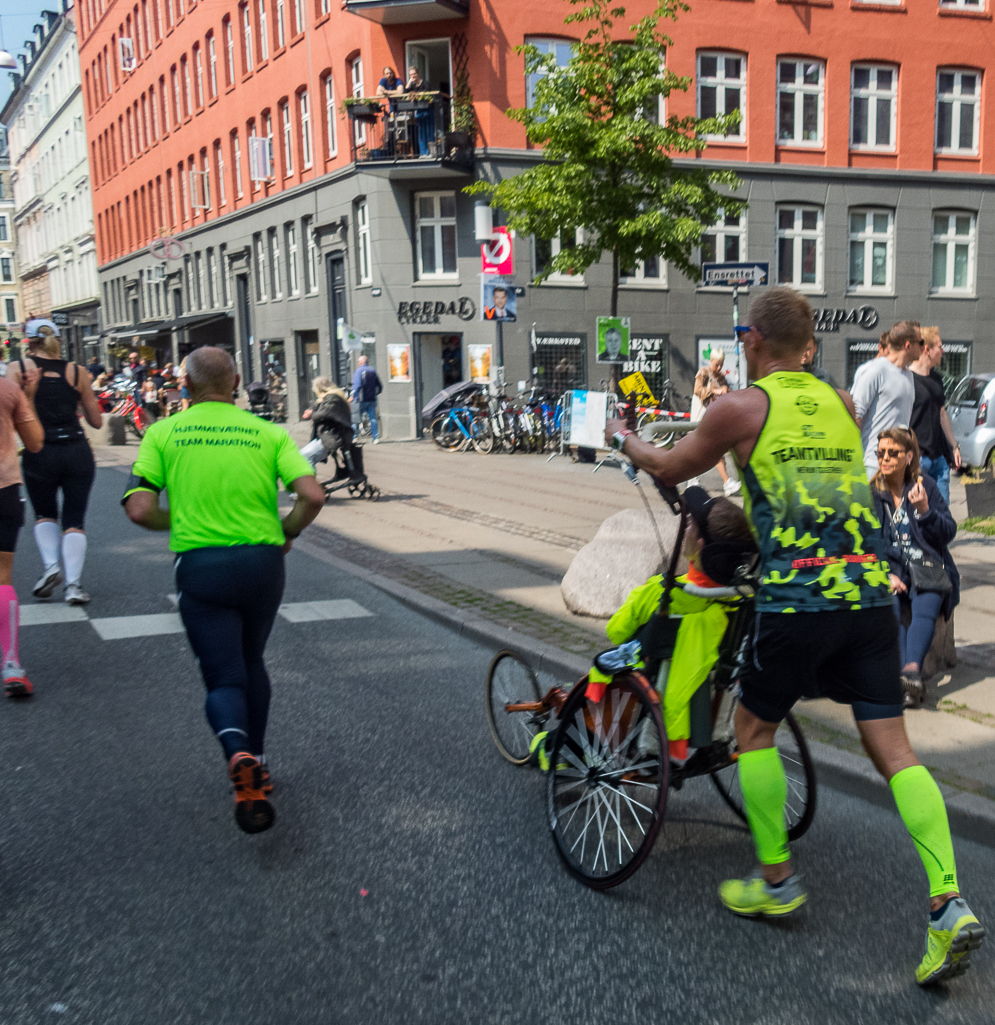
[
  {"x": 498, "y": 300},
  {"x": 709, "y": 347},
  {"x": 399, "y": 358},
  {"x": 480, "y": 363},
  {"x": 613, "y": 339}
]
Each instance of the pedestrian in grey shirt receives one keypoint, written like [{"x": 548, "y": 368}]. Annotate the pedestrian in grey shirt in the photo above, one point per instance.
[{"x": 884, "y": 391}]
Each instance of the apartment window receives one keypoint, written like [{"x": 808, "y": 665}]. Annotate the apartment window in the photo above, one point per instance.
[
  {"x": 298, "y": 16},
  {"x": 800, "y": 247},
  {"x": 326, "y": 6},
  {"x": 212, "y": 277},
  {"x": 330, "y": 124},
  {"x": 198, "y": 63},
  {"x": 305, "y": 109},
  {"x": 722, "y": 89},
  {"x": 873, "y": 106},
  {"x": 236, "y": 159},
  {"x": 177, "y": 115},
  {"x": 274, "y": 263},
  {"x": 6, "y": 270},
  {"x": 247, "y": 36},
  {"x": 963, "y": 5},
  {"x": 957, "y": 110},
  {"x": 953, "y": 253},
  {"x": 212, "y": 65},
  {"x": 223, "y": 260},
  {"x": 545, "y": 249},
  {"x": 435, "y": 216},
  {"x": 290, "y": 242},
  {"x": 356, "y": 77},
  {"x": 872, "y": 250},
  {"x": 279, "y": 24},
  {"x": 268, "y": 135},
  {"x": 230, "y": 51},
  {"x": 260, "y": 268},
  {"x": 154, "y": 102},
  {"x": 288, "y": 140},
  {"x": 725, "y": 241},
  {"x": 4, "y": 230},
  {"x": 219, "y": 164},
  {"x": 10, "y": 309},
  {"x": 560, "y": 50},
  {"x": 263, "y": 35},
  {"x": 311, "y": 265},
  {"x": 651, "y": 273},
  {"x": 199, "y": 279},
  {"x": 185, "y": 69},
  {"x": 800, "y": 100},
  {"x": 364, "y": 252}
]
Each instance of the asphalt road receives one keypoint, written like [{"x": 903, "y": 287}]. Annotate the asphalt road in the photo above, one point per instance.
[{"x": 410, "y": 876}]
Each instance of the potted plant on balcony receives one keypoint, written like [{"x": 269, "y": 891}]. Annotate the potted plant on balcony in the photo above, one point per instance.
[
  {"x": 416, "y": 101},
  {"x": 362, "y": 108}
]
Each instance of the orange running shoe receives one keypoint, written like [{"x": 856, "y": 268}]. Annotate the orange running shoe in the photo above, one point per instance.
[
  {"x": 15, "y": 682},
  {"x": 253, "y": 813}
]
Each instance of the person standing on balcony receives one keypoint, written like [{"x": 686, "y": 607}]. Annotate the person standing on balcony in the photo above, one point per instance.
[{"x": 423, "y": 118}]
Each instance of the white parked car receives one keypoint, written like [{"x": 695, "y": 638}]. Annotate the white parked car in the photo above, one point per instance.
[{"x": 972, "y": 415}]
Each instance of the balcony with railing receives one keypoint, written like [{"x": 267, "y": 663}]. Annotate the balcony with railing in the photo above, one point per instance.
[
  {"x": 414, "y": 133},
  {"x": 406, "y": 12}
]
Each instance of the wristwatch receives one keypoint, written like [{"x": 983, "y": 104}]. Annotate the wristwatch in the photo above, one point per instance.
[{"x": 618, "y": 439}]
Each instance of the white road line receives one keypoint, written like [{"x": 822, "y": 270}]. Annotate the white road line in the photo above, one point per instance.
[
  {"x": 313, "y": 611},
  {"x": 118, "y": 628},
  {"x": 42, "y": 615}
]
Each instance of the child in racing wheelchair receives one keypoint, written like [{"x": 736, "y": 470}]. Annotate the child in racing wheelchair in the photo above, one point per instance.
[
  {"x": 718, "y": 540},
  {"x": 332, "y": 434}
]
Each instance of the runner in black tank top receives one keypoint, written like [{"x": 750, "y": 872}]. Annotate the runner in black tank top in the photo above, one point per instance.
[{"x": 65, "y": 462}]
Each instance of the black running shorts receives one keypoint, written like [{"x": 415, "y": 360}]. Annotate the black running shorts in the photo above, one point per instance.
[
  {"x": 11, "y": 516},
  {"x": 851, "y": 657}
]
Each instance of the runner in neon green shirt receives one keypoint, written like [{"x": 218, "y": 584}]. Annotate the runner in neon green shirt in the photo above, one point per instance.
[{"x": 220, "y": 466}]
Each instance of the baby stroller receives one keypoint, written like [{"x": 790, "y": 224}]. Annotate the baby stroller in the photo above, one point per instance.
[
  {"x": 348, "y": 461},
  {"x": 259, "y": 403}
]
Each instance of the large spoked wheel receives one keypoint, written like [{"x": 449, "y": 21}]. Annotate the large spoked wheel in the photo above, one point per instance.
[
  {"x": 481, "y": 435},
  {"x": 447, "y": 435},
  {"x": 799, "y": 809},
  {"x": 141, "y": 421},
  {"x": 511, "y": 681},
  {"x": 608, "y": 775}
]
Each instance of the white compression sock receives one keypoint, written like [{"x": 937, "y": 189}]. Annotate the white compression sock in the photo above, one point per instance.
[
  {"x": 73, "y": 554},
  {"x": 47, "y": 539}
]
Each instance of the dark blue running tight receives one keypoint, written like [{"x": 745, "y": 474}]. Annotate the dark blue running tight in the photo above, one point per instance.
[
  {"x": 915, "y": 639},
  {"x": 228, "y": 600}
]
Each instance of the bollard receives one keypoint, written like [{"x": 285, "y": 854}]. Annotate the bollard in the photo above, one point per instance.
[{"x": 116, "y": 431}]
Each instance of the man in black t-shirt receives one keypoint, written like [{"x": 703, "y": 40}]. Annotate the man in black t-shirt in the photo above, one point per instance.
[{"x": 938, "y": 449}]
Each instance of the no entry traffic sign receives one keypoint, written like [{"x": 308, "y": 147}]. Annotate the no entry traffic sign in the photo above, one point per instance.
[{"x": 496, "y": 255}]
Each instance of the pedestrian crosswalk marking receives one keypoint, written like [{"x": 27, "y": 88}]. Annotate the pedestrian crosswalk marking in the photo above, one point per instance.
[
  {"x": 42, "y": 615},
  {"x": 313, "y": 611},
  {"x": 118, "y": 628}
]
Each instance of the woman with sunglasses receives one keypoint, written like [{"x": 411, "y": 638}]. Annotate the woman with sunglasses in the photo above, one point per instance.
[{"x": 917, "y": 528}]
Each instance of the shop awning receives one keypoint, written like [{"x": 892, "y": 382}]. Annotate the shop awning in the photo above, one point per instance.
[
  {"x": 406, "y": 12},
  {"x": 189, "y": 320},
  {"x": 146, "y": 331}
]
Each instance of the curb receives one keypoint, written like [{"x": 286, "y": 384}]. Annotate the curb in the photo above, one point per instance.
[{"x": 971, "y": 817}]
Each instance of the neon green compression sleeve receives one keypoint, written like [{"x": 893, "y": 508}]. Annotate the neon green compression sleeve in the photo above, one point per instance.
[
  {"x": 921, "y": 806},
  {"x": 761, "y": 778}
]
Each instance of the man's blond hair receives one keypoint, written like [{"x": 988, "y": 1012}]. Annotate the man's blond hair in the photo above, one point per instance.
[
  {"x": 930, "y": 336},
  {"x": 785, "y": 319}
]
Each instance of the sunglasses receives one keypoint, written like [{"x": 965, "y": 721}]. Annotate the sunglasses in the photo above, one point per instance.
[
  {"x": 742, "y": 329},
  {"x": 891, "y": 453}
]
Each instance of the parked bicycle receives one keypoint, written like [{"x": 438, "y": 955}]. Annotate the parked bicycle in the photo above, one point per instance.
[{"x": 459, "y": 428}]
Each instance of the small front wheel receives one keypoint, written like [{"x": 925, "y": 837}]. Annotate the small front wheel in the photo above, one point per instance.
[
  {"x": 510, "y": 682},
  {"x": 609, "y": 770}
]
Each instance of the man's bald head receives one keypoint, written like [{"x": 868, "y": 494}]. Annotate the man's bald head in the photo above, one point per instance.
[
  {"x": 362, "y": 361},
  {"x": 210, "y": 371}
]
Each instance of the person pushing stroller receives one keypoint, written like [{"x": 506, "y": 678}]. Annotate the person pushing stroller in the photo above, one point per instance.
[{"x": 331, "y": 431}]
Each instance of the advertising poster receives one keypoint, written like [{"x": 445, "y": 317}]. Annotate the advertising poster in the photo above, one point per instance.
[
  {"x": 613, "y": 339},
  {"x": 498, "y": 300},
  {"x": 636, "y": 383},
  {"x": 480, "y": 363},
  {"x": 708, "y": 347},
  {"x": 399, "y": 357},
  {"x": 588, "y": 416}
]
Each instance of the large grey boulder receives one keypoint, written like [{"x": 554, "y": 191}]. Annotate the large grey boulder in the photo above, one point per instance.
[{"x": 623, "y": 554}]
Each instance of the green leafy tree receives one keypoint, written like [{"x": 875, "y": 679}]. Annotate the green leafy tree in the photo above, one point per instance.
[{"x": 608, "y": 164}]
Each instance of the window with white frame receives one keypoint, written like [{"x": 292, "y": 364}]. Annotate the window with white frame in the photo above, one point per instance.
[
  {"x": 356, "y": 77},
  {"x": 212, "y": 64},
  {"x": 725, "y": 241},
  {"x": 330, "y": 124},
  {"x": 298, "y": 16},
  {"x": 800, "y": 101},
  {"x": 236, "y": 157},
  {"x": 198, "y": 281},
  {"x": 263, "y": 35},
  {"x": 230, "y": 50},
  {"x": 304, "y": 105},
  {"x": 954, "y": 253},
  {"x": 650, "y": 273},
  {"x": 288, "y": 139},
  {"x": 290, "y": 243},
  {"x": 435, "y": 230},
  {"x": 225, "y": 271},
  {"x": 247, "y": 35},
  {"x": 800, "y": 247},
  {"x": 279, "y": 24},
  {"x": 212, "y": 278},
  {"x": 311, "y": 264},
  {"x": 274, "y": 263},
  {"x": 872, "y": 251},
  {"x": 722, "y": 89},
  {"x": 873, "y": 106},
  {"x": 198, "y": 61},
  {"x": 4, "y": 229},
  {"x": 7, "y": 269},
  {"x": 364, "y": 253},
  {"x": 561, "y": 51},
  {"x": 10, "y": 309},
  {"x": 219, "y": 163},
  {"x": 268, "y": 135},
  {"x": 260, "y": 268},
  {"x": 958, "y": 108},
  {"x": 545, "y": 249},
  {"x": 964, "y": 5}
]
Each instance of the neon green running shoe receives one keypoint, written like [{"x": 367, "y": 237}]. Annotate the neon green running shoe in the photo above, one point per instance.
[
  {"x": 949, "y": 942},
  {"x": 537, "y": 750},
  {"x": 754, "y": 897}
]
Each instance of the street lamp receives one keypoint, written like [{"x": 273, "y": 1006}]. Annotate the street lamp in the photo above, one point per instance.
[{"x": 7, "y": 59}]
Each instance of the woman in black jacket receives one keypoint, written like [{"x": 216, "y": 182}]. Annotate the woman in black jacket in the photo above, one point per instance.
[
  {"x": 331, "y": 428},
  {"x": 917, "y": 527}
]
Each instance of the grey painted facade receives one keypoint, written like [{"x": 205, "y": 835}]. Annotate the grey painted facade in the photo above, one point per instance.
[{"x": 674, "y": 310}]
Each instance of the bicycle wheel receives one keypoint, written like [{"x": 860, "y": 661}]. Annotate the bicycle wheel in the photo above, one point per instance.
[
  {"x": 799, "y": 810},
  {"x": 141, "y": 420},
  {"x": 446, "y": 433},
  {"x": 607, "y": 789},
  {"x": 481, "y": 435},
  {"x": 510, "y": 680}
]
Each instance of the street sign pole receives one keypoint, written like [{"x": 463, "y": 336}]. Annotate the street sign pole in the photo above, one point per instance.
[
  {"x": 499, "y": 352},
  {"x": 737, "y": 347},
  {"x": 736, "y": 274}
]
